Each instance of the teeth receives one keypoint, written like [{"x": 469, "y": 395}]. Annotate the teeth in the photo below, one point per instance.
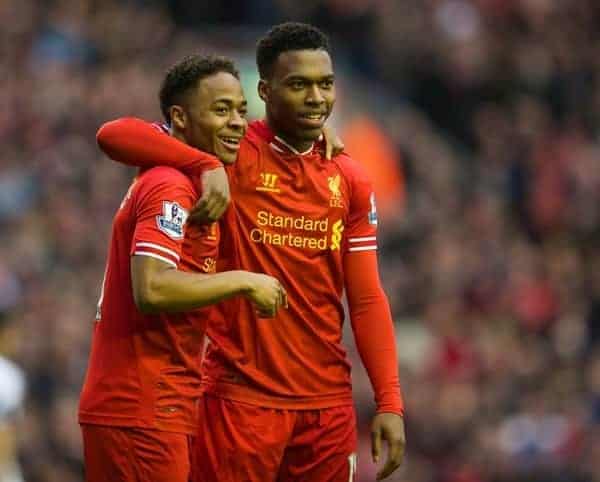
[{"x": 313, "y": 116}]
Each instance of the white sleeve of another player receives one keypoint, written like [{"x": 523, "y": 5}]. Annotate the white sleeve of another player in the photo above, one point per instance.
[{"x": 12, "y": 387}]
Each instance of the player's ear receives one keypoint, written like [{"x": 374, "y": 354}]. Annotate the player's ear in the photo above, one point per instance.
[
  {"x": 178, "y": 117},
  {"x": 263, "y": 89}
]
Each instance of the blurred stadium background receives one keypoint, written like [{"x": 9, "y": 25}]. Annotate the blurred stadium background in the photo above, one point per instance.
[{"x": 479, "y": 120}]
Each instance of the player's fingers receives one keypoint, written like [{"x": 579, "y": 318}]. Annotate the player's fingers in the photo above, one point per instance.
[
  {"x": 210, "y": 203},
  {"x": 215, "y": 212},
  {"x": 389, "y": 467},
  {"x": 337, "y": 147},
  {"x": 328, "y": 151},
  {"x": 220, "y": 208},
  {"x": 394, "y": 459},
  {"x": 285, "y": 298},
  {"x": 198, "y": 215},
  {"x": 376, "y": 443}
]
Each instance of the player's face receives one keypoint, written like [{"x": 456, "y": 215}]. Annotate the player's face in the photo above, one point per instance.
[
  {"x": 300, "y": 94},
  {"x": 215, "y": 116}
]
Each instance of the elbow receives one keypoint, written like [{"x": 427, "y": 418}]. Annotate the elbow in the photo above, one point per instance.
[
  {"x": 111, "y": 131},
  {"x": 106, "y": 132},
  {"x": 147, "y": 299}
]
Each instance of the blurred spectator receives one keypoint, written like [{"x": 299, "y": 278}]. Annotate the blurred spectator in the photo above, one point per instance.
[{"x": 486, "y": 116}]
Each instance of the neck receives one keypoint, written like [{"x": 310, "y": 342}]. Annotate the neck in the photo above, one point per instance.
[
  {"x": 298, "y": 146},
  {"x": 178, "y": 135}
]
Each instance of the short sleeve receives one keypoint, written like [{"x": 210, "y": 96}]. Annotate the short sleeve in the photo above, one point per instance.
[
  {"x": 161, "y": 212},
  {"x": 361, "y": 229}
]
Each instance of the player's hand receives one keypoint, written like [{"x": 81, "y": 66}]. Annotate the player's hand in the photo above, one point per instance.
[
  {"x": 333, "y": 144},
  {"x": 388, "y": 427},
  {"x": 267, "y": 294},
  {"x": 215, "y": 197}
]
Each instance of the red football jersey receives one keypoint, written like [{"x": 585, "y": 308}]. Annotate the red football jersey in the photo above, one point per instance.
[
  {"x": 143, "y": 369},
  {"x": 295, "y": 216}
]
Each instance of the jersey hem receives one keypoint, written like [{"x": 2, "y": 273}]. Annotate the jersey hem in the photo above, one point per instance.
[
  {"x": 253, "y": 397},
  {"x": 130, "y": 422}
]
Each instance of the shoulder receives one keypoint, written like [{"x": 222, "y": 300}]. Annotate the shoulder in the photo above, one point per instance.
[
  {"x": 165, "y": 179},
  {"x": 258, "y": 133},
  {"x": 353, "y": 172}
]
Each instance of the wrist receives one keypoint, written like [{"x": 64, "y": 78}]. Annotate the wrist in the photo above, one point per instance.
[{"x": 244, "y": 282}]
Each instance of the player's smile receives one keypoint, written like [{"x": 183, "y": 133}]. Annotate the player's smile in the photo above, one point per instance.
[
  {"x": 299, "y": 96},
  {"x": 215, "y": 119},
  {"x": 313, "y": 120},
  {"x": 230, "y": 142}
]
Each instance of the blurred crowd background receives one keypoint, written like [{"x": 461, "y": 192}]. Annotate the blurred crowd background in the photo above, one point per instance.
[{"x": 479, "y": 121}]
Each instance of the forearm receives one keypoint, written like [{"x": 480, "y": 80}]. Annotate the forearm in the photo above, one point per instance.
[
  {"x": 373, "y": 330},
  {"x": 376, "y": 344},
  {"x": 136, "y": 142},
  {"x": 177, "y": 291}
]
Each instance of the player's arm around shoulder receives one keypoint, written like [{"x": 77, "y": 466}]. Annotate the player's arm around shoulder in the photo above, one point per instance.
[{"x": 136, "y": 142}]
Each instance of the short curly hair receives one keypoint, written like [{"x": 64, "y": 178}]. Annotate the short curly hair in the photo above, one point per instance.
[
  {"x": 285, "y": 37},
  {"x": 186, "y": 73}
]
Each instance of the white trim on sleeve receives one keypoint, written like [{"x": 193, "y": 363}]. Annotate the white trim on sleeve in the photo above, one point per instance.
[
  {"x": 157, "y": 256},
  {"x": 364, "y": 248},
  {"x": 159, "y": 248},
  {"x": 360, "y": 240}
]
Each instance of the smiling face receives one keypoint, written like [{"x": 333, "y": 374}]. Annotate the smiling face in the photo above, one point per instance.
[
  {"x": 212, "y": 116},
  {"x": 299, "y": 95}
]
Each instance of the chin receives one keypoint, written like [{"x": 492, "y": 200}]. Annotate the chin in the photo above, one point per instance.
[
  {"x": 228, "y": 158},
  {"x": 310, "y": 134}
]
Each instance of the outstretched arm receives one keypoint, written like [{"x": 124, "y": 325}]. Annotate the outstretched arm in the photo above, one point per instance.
[{"x": 136, "y": 142}]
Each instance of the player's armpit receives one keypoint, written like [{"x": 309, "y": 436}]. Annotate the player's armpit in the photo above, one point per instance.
[
  {"x": 373, "y": 328},
  {"x": 136, "y": 142}
]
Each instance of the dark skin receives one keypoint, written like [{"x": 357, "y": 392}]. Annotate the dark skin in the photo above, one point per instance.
[
  {"x": 299, "y": 95},
  {"x": 211, "y": 118}
]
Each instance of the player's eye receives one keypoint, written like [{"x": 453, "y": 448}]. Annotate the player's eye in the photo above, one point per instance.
[
  {"x": 327, "y": 84},
  {"x": 222, "y": 110},
  {"x": 297, "y": 85},
  {"x": 243, "y": 112}
]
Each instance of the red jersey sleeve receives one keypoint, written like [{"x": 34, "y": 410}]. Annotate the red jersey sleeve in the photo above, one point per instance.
[
  {"x": 361, "y": 229},
  {"x": 370, "y": 314},
  {"x": 161, "y": 210},
  {"x": 136, "y": 142}
]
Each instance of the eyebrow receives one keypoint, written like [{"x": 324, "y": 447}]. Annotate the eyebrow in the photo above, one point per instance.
[
  {"x": 229, "y": 101},
  {"x": 293, "y": 77}
]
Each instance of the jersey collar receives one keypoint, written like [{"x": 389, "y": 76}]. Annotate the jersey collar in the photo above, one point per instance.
[{"x": 275, "y": 142}]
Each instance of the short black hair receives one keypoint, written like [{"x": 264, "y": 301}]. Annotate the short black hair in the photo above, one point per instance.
[
  {"x": 285, "y": 37},
  {"x": 186, "y": 73}
]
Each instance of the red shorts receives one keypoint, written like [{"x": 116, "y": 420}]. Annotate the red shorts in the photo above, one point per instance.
[
  {"x": 117, "y": 454},
  {"x": 238, "y": 442}
]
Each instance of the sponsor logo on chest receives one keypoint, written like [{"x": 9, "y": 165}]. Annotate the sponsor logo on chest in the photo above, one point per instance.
[{"x": 321, "y": 230}]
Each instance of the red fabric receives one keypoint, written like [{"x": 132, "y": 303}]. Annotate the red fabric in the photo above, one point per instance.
[
  {"x": 296, "y": 217},
  {"x": 373, "y": 329},
  {"x": 143, "y": 370},
  {"x": 135, "y": 455},
  {"x": 119, "y": 139},
  {"x": 255, "y": 444}
]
